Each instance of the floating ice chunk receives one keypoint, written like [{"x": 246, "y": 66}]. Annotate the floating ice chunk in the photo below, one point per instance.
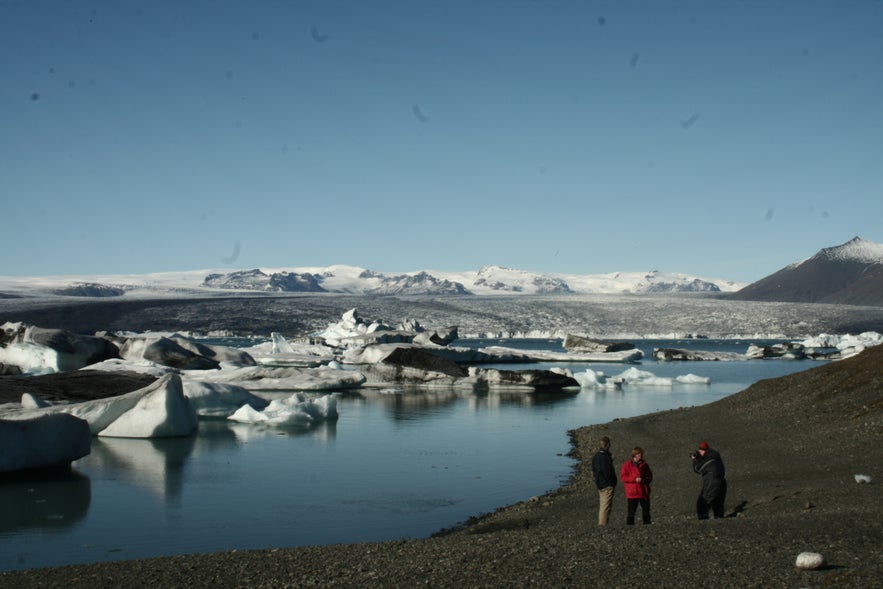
[
  {"x": 280, "y": 344},
  {"x": 693, "y": 379},
  {"x": 213, "y": 399},
  {"x": 290, "y": 378},
  {"x": 827, "y": 340},
  {"x": 298, "y": 410},
  {"x": 596, "y": 379},
  {"x": 350, "y": 326},
  {"x": 280, "y": 352},
  {"x": 848, "y": 345},
  {"x": 635, "y": 376},
  {"x": 31, "y": 358}
]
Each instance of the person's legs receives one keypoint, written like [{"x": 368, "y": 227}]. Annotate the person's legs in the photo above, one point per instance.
[
  {"x": 605, "y": 506},
  {"x": 630, "y": 516},
  {"x": 701, "y": 507},
  {"x": 645, "y": 509},
  {"x": 717, "y": 505}
]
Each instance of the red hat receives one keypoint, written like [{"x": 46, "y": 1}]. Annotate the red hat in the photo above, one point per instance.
[{"x": 703, "y": 445}]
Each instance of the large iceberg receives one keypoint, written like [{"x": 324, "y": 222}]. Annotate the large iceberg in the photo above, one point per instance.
[
  {"x": 37, "y": 350},
  {"x": 158, "y": 410},
  {"x": 43, "y": 441}
]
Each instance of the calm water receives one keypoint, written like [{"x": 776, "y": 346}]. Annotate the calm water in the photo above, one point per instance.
[{"x": 393, "y": 466}]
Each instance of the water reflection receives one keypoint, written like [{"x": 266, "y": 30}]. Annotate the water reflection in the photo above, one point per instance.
[
  {"x": 407, "y": 404},
  {"x": 534, "y": 399},
  {"x": 245, "y": 432},
  {"x": 156, "y": 464},
  {"x": 43, "y": 500},
  {"x": 416, "y": 403}
]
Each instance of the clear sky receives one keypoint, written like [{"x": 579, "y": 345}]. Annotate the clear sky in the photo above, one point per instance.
[{"x": 717, "y": 138}]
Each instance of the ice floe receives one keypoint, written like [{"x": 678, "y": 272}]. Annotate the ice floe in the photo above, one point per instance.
[{"x": 298, "y": 410}]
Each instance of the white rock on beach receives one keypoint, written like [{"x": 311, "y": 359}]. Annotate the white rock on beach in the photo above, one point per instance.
[
  {"x": 862, "y": 479},
  {"x": 810, "y": 561}
]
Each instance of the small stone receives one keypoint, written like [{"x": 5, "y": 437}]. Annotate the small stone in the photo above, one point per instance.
[{"x": 810, "y": 561}]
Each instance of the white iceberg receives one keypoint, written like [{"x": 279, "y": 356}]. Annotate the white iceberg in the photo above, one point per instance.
[
  {"x": 279, "y": 352},
  {"x": 39, "y": 350},
  {"x": 350, "y": 326},
  {"x": 158, "y": 410},
  {"x": 163, "y": 412},
  {"x": 214, "y": 399},
  {"x": 43, "y": 441},
  {"x": 847, "y": 345},
  {"x": 633, "y": 377},
  {"x": 692, "y": 379},
  {"x": 299, "y": 410},
  {"x": 596, "y": 379}
]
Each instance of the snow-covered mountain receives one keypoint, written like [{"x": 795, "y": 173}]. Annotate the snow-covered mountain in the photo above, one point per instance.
[
  {"x": 487, "y": 280},
  {"x": 850, "y": 273},
  {"x": 495, "y": 280}
]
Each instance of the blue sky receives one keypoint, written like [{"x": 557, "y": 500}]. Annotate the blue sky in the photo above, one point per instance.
[{"x": 717, "y": 138}]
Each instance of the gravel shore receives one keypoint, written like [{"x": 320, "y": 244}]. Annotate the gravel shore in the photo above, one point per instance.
[{"x": 792, "y": 446}]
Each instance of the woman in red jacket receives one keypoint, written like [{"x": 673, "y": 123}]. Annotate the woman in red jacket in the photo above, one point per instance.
[{"x": 636, "y": 476}]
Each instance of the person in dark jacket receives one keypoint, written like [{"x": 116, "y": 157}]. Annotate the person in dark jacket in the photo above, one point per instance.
[
  {"x": 708, "y": 463},
  {"x": 605, "y": 479},
  {"x": 636, "y": 476}
]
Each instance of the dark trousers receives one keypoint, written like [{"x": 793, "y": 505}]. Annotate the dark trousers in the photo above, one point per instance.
[
  {"x": 716, "y": 505},
  {"x": 633, "y": 507}
]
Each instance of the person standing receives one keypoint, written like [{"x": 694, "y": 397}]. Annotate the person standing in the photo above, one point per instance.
[
  {"x": 637, "y": 476},
  {"x": 605, "y": 479},
  {"x": 708, "y": 463}
]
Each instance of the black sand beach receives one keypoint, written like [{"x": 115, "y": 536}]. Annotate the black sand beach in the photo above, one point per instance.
[{"x": 792, "y": 446}]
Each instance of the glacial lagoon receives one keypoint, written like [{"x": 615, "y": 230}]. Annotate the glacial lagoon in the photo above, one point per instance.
[{"x": 396, "y": 464}]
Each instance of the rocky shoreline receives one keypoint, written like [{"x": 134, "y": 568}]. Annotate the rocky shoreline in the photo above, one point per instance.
[{"x": 792, "y": 446}]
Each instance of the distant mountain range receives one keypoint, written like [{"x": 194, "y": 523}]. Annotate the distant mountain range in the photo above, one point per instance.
[
  {"x": 848, "y": 274},
  {"x": 487, "y": 280},
  {"x": 495, "y": 280},
  {"x": 851, "y": 273}
]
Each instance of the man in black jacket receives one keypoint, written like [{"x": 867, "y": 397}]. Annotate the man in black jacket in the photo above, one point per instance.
[
  {"x": 605, "y": 478},
  {"x": 708, "y": 463}
]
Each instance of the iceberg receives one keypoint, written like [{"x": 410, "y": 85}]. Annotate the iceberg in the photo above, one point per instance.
[
  {"x": 157, "y": 410},
  {"x": 298, "y": 410},
  {"x": 281, "y": 378},
  {"x": 43, "y": 441},
  {"x": 37, "y": 350},
  {"x": 278, "y": 352},
  {"x": 212, "y": 399},
  {"x": 634, "y": 377},
  {"x": 163, "y": 412}
]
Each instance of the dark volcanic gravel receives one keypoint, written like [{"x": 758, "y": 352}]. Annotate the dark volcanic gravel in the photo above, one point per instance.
[
  {"x": 792, "y": 447},
  {"x": 74, "y": 386}
]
